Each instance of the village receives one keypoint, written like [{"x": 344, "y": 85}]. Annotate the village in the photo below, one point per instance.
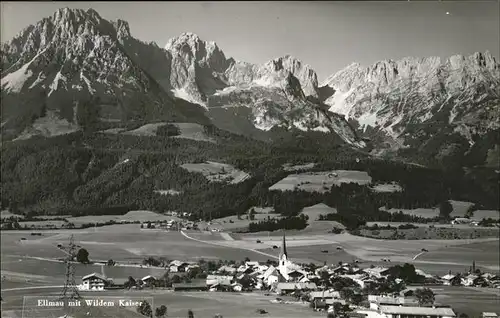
[{"x": 340, "y": 290}]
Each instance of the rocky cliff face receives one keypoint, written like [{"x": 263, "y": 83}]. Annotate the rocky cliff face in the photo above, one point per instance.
[
  {"x": 393, "y": 96},
  {"x": 79, "y": 67}
]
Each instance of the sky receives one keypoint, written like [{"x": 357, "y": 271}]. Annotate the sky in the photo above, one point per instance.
[{"x": 326, "y": 35}]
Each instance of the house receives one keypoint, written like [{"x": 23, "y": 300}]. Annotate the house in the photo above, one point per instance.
[
  {"x": 341, "y": 270},
  {"x": 177, "y": 266},
  {"x": 288, "y": 288},
  {"x": 461, "y": 221},
  {"x": 220, "y": 287},
  {"x": 295, "y": 275},
  {"x": 148, "y": 280},
  {"x": 237, "y": 287},
  {"x": 469, "y": 280},
  {"x": 93, "y": 282},
  {"x": 380, "y": 300},
  {"x": 252, "y": 264},
  {"x": 245, "y": 269},
  {"x": 227, "y": 269},
  {"x": 391, "y": 311},
  {"x": 218, "y": 279},
  {"x": 377, "y": 272},
  {"x": 451, "y": 280},
  {"x": 191, "y": 267}
]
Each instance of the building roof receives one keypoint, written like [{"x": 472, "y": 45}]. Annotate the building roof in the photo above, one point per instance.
[
  {"x": 93, "y": 275},
  {"x": 226, "y": 268},
  {"x": 177, "y": 263},
  {"x": 375, "y": 270},
  {"x": 325, "y": 294},
  {"x": 403, "y": 310},
  {"x": 148, "y": 277},
  {"x": 287, "y": 286},
  {"x": 307, "y": 285},
  {"x": 489, "y": 314},
  {"x": 449, "y": 276}
]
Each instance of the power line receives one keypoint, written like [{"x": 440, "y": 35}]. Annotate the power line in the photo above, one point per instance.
[{"x": 70, "y": 291}]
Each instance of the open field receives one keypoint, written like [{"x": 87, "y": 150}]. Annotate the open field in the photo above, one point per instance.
[
  {"x": 217, "y": 172},
  {"x": 373, "y": 250},
  {"x": 471, "y": 301},
  {"x": 486, "y": 214},
  {"x": 387, "y": 187},
  {"x": 42, "y": 224},
  {"x": 459, "y": 210},
  {"x": 321, "y": 181},
  {"x": 226, "y": 225},
  {"x": 484, "y": 253},
  {"x": 145, "y": 130},
  {"x": 132, "y": 216},
  {"x": 7, "y": 214},
  {"x": 319, "y": 227},
  {"x": 462, "y": 231},
  {"x": 306, "y": 166},
  {"x": 186, "y": 131},
  {"x": 203, "y": 304},
  {"x": 122, "y": 243},
  {"x": 192, "y": 131}
]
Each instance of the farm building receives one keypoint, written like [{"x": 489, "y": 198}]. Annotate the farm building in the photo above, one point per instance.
[
  {"x": 406, "y": 312},
  {"x": 489, "y": 315},
  {"x": 288, "y": 288},
  {"x": 195, "y": 285},
  {"x": 148, "y": 280},
  {"x": 218, "y": 279},
  {"x": 93, "y": 282},
  {"x": 326, "y": 294}
]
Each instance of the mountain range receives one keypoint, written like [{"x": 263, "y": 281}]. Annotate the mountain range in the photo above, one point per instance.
[{"x": 75, "y": 70}]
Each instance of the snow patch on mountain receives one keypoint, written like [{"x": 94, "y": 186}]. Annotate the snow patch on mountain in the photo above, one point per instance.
[
  {"x": 367, "y": 119},
  {"x": 55, "y": 84},
  {"x": 338, "y": 103},
  {"x": 183, "y": 94},
  {"x": 14, "y": 82}
]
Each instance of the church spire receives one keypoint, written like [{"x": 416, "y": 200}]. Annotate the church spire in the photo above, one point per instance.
[{"x": 283, "y": 246}]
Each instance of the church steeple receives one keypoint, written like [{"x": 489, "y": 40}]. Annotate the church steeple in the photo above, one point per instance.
[{"x": 283, "y": 247}]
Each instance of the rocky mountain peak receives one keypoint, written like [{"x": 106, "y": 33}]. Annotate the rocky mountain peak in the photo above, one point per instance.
[
  {"x": 303, "y": 72},
  {"x": 122, "y": 29},
  {"x": 189, "y": 49}
]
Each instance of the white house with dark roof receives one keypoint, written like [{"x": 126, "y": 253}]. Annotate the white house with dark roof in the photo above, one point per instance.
[{"x": 94, "y": 282}]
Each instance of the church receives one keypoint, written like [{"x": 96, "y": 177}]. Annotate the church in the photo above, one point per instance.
[{"x": 285, "y": 266}]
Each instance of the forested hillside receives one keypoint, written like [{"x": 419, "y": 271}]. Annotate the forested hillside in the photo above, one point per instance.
[{"x": 96, "y": 173}]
